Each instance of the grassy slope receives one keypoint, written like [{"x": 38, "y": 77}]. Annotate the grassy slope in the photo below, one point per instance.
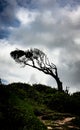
[
  {"x": 20, "y": 104},
  {"x": 16, "y": 111}
]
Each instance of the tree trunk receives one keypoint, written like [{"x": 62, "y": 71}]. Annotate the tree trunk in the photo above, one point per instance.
[{"x": 59, "y": 84}]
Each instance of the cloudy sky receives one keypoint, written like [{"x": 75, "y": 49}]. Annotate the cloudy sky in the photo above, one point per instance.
[{"x": 52, "y": 26}]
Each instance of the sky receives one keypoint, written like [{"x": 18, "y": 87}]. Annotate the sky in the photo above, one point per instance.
[{"x": 52, "y": 26}]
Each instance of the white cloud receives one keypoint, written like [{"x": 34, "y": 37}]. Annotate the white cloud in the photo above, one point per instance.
[
  {"x": 74, "y": 15},
  {"x": 77, "y": 41},
  {"x": 25, "y": 16},
  {"x": 48, "y": 18}
]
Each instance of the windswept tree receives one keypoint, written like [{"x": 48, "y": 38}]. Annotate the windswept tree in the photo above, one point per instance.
[
  {"x": 0, "y": 81},
  {"x": 37, "y": 59}
]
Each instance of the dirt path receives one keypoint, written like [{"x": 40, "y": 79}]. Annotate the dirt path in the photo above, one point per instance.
[
  {"x": 65, "y": 120},
  {"x": 58, "y": 124}
]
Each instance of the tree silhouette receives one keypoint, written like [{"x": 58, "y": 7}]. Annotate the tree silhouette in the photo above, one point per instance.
[
  {"x": 0, "y": 81},
  {"x": 37, "y": 59}
]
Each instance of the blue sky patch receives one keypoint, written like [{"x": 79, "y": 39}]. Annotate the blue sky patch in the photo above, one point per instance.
[{"x": 3, "y": 5}]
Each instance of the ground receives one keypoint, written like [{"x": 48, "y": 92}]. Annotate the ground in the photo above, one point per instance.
[{"x": 58, "y": 121}]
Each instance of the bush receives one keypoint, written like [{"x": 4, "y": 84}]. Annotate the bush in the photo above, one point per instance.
[
  {"x": 15, "y": 112},
  {"x": 60, "y": 102},
  {"x": 63, "y": 102}
]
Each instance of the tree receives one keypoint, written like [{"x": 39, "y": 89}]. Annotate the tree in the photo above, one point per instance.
[
  {"x": 0, "y": 81},
  {"x": 37, "y": 59}
]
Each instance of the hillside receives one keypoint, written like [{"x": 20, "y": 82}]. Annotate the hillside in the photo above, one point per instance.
[{"x": 38, "y": 107}]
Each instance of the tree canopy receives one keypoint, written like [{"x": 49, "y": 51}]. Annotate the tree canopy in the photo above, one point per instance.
[{"x": 37, "y": 59}]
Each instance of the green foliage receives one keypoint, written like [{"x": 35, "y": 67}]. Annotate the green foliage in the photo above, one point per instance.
[
  {"x": 59, "y": 102},
  {"x": 75, "y": 103},
  {"x": 44, "y": 89},
  {"x": 64, "y": 102},
  {"x": 20, "y": 104},
  {"x": 15, "y": 111}
]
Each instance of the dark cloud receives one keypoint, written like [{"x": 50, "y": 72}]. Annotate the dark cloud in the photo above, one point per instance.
[
  {"x": 48, "y": 4},
  {"x": 24, "y": 3},
  {"x": 72, "y": 3},
  {"x": 3, "y": 4},
  {"x": 7, "y": 12},
  {"x": 76, "y": 73},
  {"x": 7, "y": 17},
  {"x": 4, "y": 34},
  {"x": 8, "y": 9}
]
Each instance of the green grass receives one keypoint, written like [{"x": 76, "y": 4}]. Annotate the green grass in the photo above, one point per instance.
[
  {"x": 21, "y": 104},
  {"x": 16, "y": 113}
]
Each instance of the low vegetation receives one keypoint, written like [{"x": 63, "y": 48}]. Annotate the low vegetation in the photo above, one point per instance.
[{"x": 36, "y": 107}]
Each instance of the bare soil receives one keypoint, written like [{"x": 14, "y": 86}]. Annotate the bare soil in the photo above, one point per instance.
[{"x": 63, "y": 123}]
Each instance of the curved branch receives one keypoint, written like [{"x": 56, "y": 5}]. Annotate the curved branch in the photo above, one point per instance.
[{"x": 37, "y": 59}]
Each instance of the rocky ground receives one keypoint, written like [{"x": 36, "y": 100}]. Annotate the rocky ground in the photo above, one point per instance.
[{"x": 58, "y": 121}]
